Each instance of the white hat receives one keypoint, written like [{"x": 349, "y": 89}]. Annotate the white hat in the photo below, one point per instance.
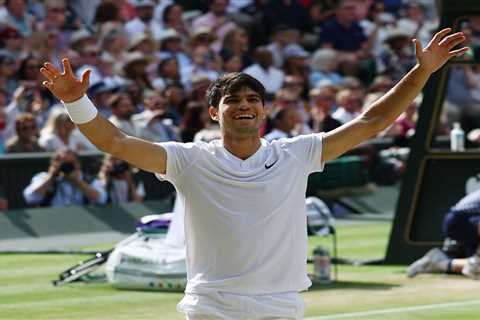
[{"x": 169, "y": 34}]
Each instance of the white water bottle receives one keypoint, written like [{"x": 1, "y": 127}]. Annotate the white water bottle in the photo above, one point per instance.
[{"x": 457, "y": 138}]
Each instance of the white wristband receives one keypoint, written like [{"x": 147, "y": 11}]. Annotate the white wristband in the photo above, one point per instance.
[{"x": 81, "y": 110}]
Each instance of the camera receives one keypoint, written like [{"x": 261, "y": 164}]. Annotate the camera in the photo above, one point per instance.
[{"x": 67, "y": 167}]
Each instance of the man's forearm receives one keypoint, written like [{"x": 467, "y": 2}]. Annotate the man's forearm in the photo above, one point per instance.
[{"x": 387, "y": 109}]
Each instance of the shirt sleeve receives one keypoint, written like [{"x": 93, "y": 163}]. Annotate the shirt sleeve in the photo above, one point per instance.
[
  {"x": 180, "y": 156},
  {"x": 31, "y": 197},
  {"x": 308, "y": 150}
]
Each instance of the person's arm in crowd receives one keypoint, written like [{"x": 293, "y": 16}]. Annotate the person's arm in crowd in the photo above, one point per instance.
[
  {"x": 93, "y": 195},
  {"x": 103, "y": 134},
  {"x": 45, "y": 183},
  {"x": 384, "y": 111}
]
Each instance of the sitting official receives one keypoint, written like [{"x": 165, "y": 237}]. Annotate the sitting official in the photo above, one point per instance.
[
  {"x": 64, "y": 184},
  {"x": 461, "y": 250}
]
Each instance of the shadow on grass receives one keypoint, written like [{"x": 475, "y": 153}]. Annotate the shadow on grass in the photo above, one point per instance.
[{"x": 352, "y": 285}]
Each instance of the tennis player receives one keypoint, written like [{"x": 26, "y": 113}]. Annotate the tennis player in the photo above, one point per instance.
[{"x": 244, "y": 198}]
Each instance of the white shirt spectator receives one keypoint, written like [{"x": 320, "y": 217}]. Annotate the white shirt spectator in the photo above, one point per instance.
[
  {"x": 272, "y": 78},
  {"x": 137, "y": 26},
  {"x": 344, "y": 116}
]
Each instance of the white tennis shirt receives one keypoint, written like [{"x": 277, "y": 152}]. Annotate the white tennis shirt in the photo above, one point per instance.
[{"x": 245, "y": 221}]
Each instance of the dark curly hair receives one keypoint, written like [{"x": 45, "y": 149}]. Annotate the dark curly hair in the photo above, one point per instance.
[{"x": 231, "y": 83}]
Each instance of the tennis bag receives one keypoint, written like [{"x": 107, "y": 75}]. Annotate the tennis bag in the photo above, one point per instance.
[{"x": 146, "y": 261}]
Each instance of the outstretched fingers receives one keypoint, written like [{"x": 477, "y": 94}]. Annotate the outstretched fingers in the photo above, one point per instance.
[
  {"x": 51, "y": 69},
  {"x": 459, "y": 52},
  {"x": 452, "y": 40},
  {"x": 67, "y": 69},
  {"x": 439, "y": 35}
]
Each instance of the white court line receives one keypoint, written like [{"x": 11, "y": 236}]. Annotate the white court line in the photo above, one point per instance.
[{"x": 395, "y": 310}]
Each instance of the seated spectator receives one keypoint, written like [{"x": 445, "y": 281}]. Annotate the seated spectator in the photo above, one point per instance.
[
  {"x": 322, "y": 101},
  {"x": 284, "y": 122},
  {"x": 26, "y": 136},
  {"x": 122, "y": 108},
  {"x": 144, "y": 21},
  {"x": 118, "y": 180},
  {"x": 217, "y": 20},
  {"x": 349, "y": 104},
  {"x": 155, "y": 123},
  {"x": 64, "y": 184},
  {"x": 344, "y": 33},
  {"x": 236, "y": 42},
  {"x": 461, "y": 250},
  {"x": 323, "y": 66},
  {"x": 60, "y": 132},
  {"x": 397, "y": 57},
  {"x": 196, "y": 118},
  {"x": 264, "y": 71}
]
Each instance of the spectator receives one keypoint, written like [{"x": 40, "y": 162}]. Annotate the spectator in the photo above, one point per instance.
[
  {"x": 231, "y": 63},
  {"x": 56, "y": 21},
  {"x": 196, "y": 118},
  {"x": 8, "y": 69},
  {"x": 144, "y": 22},
  {"x": 349, "y": 105},
  {"x": 176, "y": 100},
  {"x": 63, "y": 184},
  {"x": 135, "y": 70},
  {"x": 119, "y": 183},
  {"x": 60, "y": 133},
  {"x": 344, "y": 34},
  {"x": 216, "y": 19},
  {"x": 12, "y": 41},
  {"x": 173, "y": 19},
  {"x": 122, "y": 108},
  {"x": 461, "y": 250},
  {"x": 296, "y": 62},
  {"x": 282, "y": 37},
  {"x": 168, "y": 73},
  {"x": 397, "y": 57},
  {"x": 18, "y": 17},
  {"x": 264, "y": 71},
  {"x": 26, "y": 136},
  {"x": 416, "y": 24},
  {"x": 284, "y": 122},
  {"x": 236, "y": 42},
  {"x": 114, "y": 45},
  {"x": 171, "y": 47},
  {"x": 323, "y": 66},
  {"x": 322, "y": 103},
  {"x": 154, "y": 123}
]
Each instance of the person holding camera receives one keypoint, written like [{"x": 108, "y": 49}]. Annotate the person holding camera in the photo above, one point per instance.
[
  {"x": 118, "y": 179},
  {"x": 64, "y": 184}
]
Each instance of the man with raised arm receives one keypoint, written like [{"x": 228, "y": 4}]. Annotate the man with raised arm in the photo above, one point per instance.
[{"x": 244, "y": 198}]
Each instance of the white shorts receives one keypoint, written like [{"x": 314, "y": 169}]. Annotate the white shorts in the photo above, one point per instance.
[{"x": 222, "y": 305}]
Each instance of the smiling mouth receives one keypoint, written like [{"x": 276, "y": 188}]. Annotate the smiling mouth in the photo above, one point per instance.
[{"x": 245, "y": 117}]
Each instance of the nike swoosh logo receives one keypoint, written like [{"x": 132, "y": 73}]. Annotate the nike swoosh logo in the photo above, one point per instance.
[{"x": 269, "y": 166}]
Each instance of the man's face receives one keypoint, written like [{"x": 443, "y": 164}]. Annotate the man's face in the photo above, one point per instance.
[
  {"x": 26, "y": 130},
  {"x": 124, "y": 109},
  {"x": 240, "y": 113}
]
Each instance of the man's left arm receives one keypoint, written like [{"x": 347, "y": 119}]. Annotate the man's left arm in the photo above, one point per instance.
[{"x": 385, "y": 110}]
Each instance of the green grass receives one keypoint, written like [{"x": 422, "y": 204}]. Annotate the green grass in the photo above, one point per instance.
[{"x": 26, "y": 291}]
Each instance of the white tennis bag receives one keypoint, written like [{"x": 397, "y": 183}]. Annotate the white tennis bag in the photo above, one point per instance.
[{"x": 150, "y": 259}]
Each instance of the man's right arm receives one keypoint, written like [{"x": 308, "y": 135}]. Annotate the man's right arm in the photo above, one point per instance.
[
  {"x": 103, "y": 134},
  {"x": 142, "y": 154}
]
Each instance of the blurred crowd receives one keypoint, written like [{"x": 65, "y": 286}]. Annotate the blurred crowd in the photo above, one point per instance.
[{"x": 321, "y": 61}]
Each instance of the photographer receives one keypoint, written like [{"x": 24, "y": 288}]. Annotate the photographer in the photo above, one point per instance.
[
  {"x": 117, "y": 177},
  {"x": 63, "y": 184}
]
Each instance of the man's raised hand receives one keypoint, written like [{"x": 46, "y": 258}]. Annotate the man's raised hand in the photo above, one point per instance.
[
  {"x": 65, "y": 86},
  {"x": 439, "y": 50}
]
